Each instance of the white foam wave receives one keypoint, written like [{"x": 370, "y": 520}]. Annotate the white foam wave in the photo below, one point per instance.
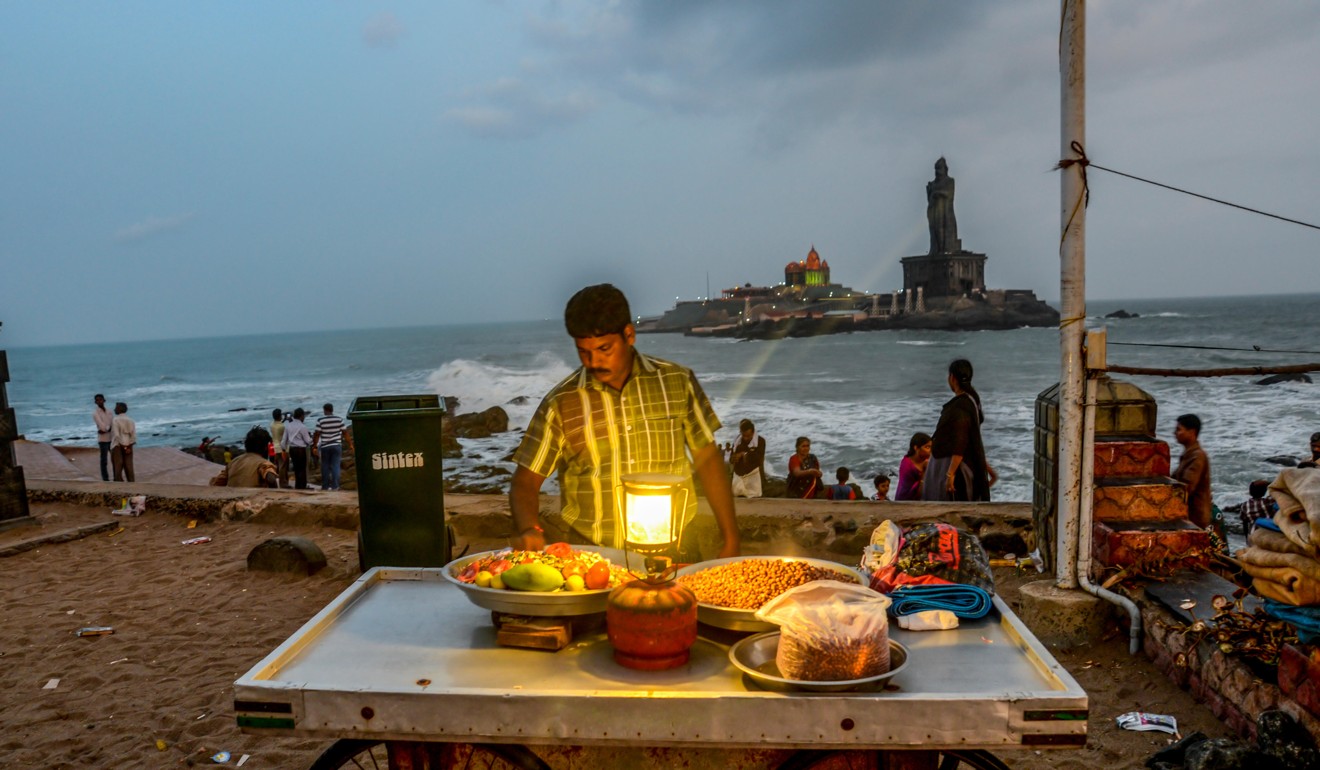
[
  {"x": 479, "y": 385},
  {"x": 933, "y": 343}
]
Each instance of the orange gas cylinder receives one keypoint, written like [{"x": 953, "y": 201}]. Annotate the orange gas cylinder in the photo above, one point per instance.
[{"x": 651, "y": 625}]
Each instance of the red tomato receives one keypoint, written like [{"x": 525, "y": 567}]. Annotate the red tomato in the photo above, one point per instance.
[
  {"x": 498, "y": 566},
  {"x": 562, "y": 550},
  {"x": 469, "y": 574},
  {"x": 574, "y": 568},
  {"x": 598, "y": 576}
]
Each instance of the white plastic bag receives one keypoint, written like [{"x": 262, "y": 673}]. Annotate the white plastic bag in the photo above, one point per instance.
[
  {"x": 830, "y": 631},
  {"x": 886, "y": 540}
]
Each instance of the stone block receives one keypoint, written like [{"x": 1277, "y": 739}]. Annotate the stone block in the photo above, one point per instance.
[
  {"x": 1124, "y": 543},
  {"x": 1299, "y": 676},
  {"x": 1131, "y": 458},
  {"x": 1061, "y": 618},
  {"x": 1143, "y": 499},
  {"x": 1298, "y": 664},
  {"x": 286, "y": 554}
]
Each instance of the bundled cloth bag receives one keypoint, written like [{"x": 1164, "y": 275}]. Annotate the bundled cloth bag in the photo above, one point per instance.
[
  {"x": 1297, "y": 491},
  {"x": 830, "y": 631},
  {"x": 936, "y": 554}
]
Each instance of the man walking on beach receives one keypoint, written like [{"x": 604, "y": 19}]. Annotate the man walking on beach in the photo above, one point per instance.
[
  {"x": 296, "y": 440},
  {"x": 123, "y": 435},
  {"x": 621, "y": 412},
  {"x": 330, "y": 440},
  {"x": 1194, "y": 470},
  {"x": 104, "y": 421}
]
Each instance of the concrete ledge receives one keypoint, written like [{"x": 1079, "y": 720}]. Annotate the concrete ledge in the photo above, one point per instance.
[{"x": 819, "y": 528}]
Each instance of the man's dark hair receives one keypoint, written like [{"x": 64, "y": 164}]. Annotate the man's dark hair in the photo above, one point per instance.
[
  {"x": 1258, "y": 488},
  {"x": 746, "y": 425},
  {"x": 328, "y": 408},
  {"x": 99, "y": 395},
  {"x": 1190, "y": 422},
  {"x": 257, "y": 441},
  {"x": 276, "y": 414},
  {"x": 121, "y": 407},
  {"x": 841, "y": 474},
  {"x": 596, "y": 311},
  {"x": 298, "y": 413}
]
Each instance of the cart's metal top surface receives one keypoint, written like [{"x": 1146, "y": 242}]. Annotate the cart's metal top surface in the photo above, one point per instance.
[{"x": 407, "y": 637}]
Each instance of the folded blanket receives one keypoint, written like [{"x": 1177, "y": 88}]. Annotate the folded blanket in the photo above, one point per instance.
[
  {"x": 965, "y": 601},
  {"x": 1262, "y": 557},
  {"x": 1274, "y": 540},
  {"x": 1297, "y": 491},
  {"x": 1283, "y": 584},
  {"x": 1305, "y": 619}
]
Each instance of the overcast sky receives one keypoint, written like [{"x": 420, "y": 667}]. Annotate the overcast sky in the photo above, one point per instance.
[{"x": 191, "y": 169}]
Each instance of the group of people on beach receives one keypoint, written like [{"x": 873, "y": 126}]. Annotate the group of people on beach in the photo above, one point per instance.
[
  {"x": 949, "y": 465},
  {"x": 269, "y": 455}
]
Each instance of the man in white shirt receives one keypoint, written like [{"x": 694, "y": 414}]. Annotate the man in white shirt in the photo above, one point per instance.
[
  {"x": 104, "y": 420},
  {"x": 296, "y": 440},
  {"x": 123, "y": 435}
]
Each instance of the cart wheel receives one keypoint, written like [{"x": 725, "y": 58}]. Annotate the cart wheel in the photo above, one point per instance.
[
  {"x": 875, "y": 760},
  {"x": 349, "y": 754}
]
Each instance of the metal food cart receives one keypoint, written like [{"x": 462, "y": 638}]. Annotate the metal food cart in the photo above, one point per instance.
[{"x": 401, "y": 665}]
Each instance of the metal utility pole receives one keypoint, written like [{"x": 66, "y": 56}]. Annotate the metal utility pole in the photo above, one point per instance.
[{"x": 1072, "y": 285}]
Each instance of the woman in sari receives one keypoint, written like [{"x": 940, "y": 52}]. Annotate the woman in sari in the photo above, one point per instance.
[{"x": 957, "y": 469}]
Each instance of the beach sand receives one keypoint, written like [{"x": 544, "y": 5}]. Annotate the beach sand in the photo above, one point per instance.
[{"x": 190, "y": 619}]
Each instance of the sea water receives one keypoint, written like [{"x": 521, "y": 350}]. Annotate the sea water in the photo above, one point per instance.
[{"x": 859, "y": 397}]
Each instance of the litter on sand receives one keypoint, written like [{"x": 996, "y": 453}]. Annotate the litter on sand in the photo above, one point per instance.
[
  {"x": 51, "y": 684},
  {"x": 1140, "y": 720}
]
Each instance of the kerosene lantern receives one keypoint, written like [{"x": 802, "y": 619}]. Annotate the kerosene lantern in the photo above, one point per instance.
[{"x": 652, "y": 621}]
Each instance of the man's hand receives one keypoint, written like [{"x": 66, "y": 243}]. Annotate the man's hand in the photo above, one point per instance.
[
  {"x": 525, "y": 505},
  {"x": 708, "y": 465}
]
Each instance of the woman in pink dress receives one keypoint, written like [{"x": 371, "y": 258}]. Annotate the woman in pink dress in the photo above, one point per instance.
[{"x": 913, "y": 467}]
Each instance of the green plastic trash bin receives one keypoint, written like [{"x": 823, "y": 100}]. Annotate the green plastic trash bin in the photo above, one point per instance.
[{"x": 396, "y": 441}]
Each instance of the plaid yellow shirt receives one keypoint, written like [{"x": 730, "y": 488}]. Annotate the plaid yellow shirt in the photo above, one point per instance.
[{"x": 592, "y": 435}]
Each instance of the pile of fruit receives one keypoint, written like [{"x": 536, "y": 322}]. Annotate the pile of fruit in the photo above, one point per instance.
[{"x": 557, "y": 568}]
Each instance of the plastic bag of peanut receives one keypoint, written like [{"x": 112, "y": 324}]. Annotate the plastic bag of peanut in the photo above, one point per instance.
[{"x": 830, "y": 631}]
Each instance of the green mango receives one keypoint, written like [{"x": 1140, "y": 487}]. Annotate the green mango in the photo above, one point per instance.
[{"x": 533, "y": 577}]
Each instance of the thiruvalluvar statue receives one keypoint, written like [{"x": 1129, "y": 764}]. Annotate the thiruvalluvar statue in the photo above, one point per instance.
[{"x": 939, "y": 212}]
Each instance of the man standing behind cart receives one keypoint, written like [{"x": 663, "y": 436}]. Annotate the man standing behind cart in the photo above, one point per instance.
[{"x": 622, "y": 412}]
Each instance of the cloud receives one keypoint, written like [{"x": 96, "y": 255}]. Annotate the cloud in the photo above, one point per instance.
[
  {"x": 152, "y": 226},
  {"x": 510, "y": 108},
  {"x": 382, "y": 30}
]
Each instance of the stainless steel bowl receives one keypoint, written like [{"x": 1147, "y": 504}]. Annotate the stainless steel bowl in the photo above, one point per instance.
[
  {"x": 534, "y": 603},
  {"x": 755, "y": 657},
  {"x": 745, "y": 620}
]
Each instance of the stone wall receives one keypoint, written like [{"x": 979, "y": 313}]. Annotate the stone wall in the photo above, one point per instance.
[
  {"x": 816, "y": 528},
  {"x": 1226, "y": 684}
]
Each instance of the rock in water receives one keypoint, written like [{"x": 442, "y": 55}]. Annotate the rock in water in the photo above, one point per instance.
[
  {"x": 1122, "y": 314},
  {"x": 1284, "y": 460},
  {"x": 1275, "y": 379}
]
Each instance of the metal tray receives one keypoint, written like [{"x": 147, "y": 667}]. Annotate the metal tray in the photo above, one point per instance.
[
  {"x": 745, "y": 620},
  {"x": 755, "y": 656},
  {"x": 551, "y": 604}
]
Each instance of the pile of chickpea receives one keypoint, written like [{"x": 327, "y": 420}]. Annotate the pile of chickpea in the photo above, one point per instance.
[{"x": 750, "y": 583}]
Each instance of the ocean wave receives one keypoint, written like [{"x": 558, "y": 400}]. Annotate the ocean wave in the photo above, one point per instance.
[
  {"x": 480, "y": 385},
  {"x": 933, "y": 343}
]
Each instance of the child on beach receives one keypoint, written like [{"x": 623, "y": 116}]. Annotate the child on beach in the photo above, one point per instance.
[
  {"x": 844, "y": 490},
  {"x": 1258, "y": 506},
  {"x": 881, "y": 487}
]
